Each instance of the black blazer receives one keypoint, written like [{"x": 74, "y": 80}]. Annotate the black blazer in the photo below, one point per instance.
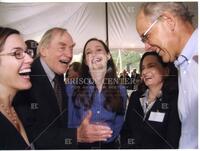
[
  {"x": 144, "y": 134},
  {"x": 10, "y": 138},
  {"x": 45, "y": 124}
]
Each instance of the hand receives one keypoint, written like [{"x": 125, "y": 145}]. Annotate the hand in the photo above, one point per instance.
[{"x": 89, "y": 133}]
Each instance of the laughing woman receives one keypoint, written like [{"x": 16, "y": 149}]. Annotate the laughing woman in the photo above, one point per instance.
[
  {"x": 152, "y": 120},
  {"x": 97, "y": 91},
  {"x": 15, "y": 63}
]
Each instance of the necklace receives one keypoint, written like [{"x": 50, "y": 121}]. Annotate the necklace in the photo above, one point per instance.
[{"x": 12, "y": 115}]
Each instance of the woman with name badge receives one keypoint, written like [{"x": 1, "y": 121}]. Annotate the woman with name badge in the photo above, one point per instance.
[{"x": 152, "y": 120}]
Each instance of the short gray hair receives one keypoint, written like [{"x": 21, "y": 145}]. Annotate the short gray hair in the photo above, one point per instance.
[
  {"x": 155, "y": 9},
  {"x": 46, "y": 38}
]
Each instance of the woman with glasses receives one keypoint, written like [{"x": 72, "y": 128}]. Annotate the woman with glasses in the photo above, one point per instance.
[
  {"x": 152, "y": 120},
  {"x": 98, "y": 94},
  {"x": 15, "y": 63}
]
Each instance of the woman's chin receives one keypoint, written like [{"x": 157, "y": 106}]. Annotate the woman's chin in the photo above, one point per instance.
[{"x": 25, "y": 85}]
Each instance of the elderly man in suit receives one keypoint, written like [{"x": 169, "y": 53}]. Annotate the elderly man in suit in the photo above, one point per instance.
[{"x": 43, "y": 108}]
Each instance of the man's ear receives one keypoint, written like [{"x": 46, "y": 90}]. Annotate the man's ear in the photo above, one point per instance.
[
  {"x": 170, "y": 19},
  {"x": 43, "y": 51}
]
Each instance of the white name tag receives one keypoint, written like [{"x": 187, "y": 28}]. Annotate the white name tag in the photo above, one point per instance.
[{"x": 156, "y": 116}]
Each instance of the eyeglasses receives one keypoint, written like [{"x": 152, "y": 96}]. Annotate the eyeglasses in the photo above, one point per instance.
[
  {"x": 19, "y": 53},
  {"x": 144, "y": 37}
]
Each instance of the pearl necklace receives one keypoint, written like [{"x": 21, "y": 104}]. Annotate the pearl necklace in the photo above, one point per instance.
[{"x": 12, "y": 115}]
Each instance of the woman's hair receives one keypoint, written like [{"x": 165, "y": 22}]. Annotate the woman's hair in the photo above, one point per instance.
[
  {"x": 113, "y": 98},
  {"x": 76, "y": 66},
  {"x": 170, "y": 80},
  {"x": 5, "y": 32}
]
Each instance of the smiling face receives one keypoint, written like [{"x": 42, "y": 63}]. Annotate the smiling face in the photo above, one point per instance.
[
  {"x": 152, "y": 71},
  {"x": 58, "y": 53},
  {"x": 161, "y": 37},
  {"x": 96, "y": 56},
  {"x": 14, "y": 72}
]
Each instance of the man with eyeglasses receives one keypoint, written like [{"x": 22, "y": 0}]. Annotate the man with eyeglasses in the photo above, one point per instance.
[{"x": 167, "y": 29}]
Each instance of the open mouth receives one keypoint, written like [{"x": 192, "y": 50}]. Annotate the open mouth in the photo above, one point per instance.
[
  {"x": 24, "y": 72},
  {"x": 147, "y": 78},
  {"x": 96, "y": 60},
  {"x": 64, "y": 62}
]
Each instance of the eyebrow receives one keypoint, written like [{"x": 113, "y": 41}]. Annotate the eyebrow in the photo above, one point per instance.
[
  {"x": 73, "y": 44},
  {"x": 149, "y": 64},
  {"x": 155, "y": 63},
  {"x": 99, "y": 46},
  {"x": 18, "y": 48},
  {"x": 64, "y": 44}
]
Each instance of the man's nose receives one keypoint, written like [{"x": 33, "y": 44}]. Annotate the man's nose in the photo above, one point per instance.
[
  {"x": 69, "y": 53},
  {"x": 147, "y": 46}
]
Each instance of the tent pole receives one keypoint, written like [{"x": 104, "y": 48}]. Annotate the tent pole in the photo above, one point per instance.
[{"x": 107, "y": 37}]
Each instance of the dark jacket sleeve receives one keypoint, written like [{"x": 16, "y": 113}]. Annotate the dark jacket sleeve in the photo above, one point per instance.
[
  {"x": 44, "y": 135},
  {"x": 126, "y": 139},
  {"x": 174, "y": 124},
  {"x": 55, "y": 138}
]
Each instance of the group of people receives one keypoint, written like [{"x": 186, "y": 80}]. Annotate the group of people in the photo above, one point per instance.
[
  {"x": 39, "y": 111},
  {"x": 130, "y": 82}
]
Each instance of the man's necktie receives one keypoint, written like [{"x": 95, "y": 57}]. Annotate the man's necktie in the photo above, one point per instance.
[{"x": 58, "y": 91}]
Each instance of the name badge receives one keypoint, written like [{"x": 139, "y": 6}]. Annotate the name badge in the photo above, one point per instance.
[{"x": 156, "y": 116}]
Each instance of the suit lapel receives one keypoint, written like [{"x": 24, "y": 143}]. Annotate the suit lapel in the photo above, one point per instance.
[{"x": 43, "y": 86}]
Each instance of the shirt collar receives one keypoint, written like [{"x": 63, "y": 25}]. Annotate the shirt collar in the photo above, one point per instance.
[
  {"x": 188, "y": 51},
  {"x": 49, "y": 72},
  {"x": 145, "y": 94}
]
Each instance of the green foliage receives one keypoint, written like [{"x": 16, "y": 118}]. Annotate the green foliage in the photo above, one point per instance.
[{"x": 130, "y": 59}]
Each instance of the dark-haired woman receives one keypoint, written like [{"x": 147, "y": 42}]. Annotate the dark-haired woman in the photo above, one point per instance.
[
  {"x": 15, "y": 66},
  {"x": 152, "y": 120},
  {"x": 97, "y": 91}
]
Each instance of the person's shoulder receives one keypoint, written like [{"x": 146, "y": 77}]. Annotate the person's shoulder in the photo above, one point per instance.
[
  {"x": 36, "y": 61},
  {"x": 36, "y": 67},
  {"x": 69, "y": 86},
  {"x": 135, "y": 95}
]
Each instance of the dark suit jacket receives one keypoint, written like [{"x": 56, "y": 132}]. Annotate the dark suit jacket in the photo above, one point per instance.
[
  {"x": 45, "y": 124},
  {"x": 10, "y": 138},
  {"x": 145, "y": 134}
]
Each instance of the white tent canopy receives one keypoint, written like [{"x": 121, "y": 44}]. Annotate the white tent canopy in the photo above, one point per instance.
[{"x": 82, "y": 20}]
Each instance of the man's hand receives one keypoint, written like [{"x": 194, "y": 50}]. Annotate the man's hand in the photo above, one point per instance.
[{"x": 89, "y": 133}]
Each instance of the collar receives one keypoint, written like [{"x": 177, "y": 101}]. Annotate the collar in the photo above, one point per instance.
[
  {"x": 189, "y": 50},
  {"x": 145, "y": 94},
  {"x": 49, "y": 72}
]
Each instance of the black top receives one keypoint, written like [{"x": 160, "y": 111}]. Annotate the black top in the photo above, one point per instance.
[
  {"x": 38, "y": 108},
  {"x": 142, "y": 133},
  {"x": 10, "y": 138}
]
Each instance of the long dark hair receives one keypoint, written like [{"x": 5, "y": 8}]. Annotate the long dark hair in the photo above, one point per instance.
[
  {"x": 113, "y": 98},
  {"x": 170, "y": 81},
  {"x": 5, "y": 32}
]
